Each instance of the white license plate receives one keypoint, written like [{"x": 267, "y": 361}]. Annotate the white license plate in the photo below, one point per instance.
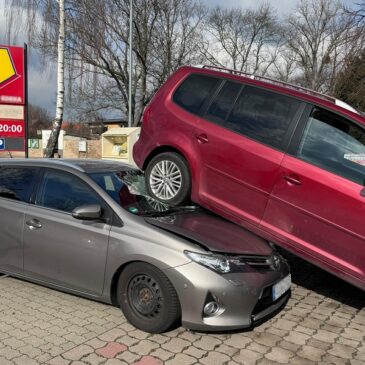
[{"x": 281, "y": 287}]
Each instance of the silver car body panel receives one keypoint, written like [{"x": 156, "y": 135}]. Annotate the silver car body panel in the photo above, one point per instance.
[
  {"x": 85, "y": 257},
  {"x": 65, "y": 251},
  {"x": 11, "y": 235}
]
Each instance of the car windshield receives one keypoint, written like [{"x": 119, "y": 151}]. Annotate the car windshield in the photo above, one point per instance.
[{"x": 128, "y": 189}]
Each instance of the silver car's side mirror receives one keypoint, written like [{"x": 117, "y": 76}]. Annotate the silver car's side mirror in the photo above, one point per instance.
[{"x": 87, "y": 212}]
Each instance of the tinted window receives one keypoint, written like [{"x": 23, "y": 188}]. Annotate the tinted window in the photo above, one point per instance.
[
  {"x": 222, "y": 104},
  {"x": 335, "y": 144},
  {"x": 263, "y": 115},
  {"x": 65, "y": 192},
  {"x": 192, "y": 93},
  {"x": 15, "y": 183}
]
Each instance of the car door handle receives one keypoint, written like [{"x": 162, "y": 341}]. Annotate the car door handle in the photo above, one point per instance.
[
  {"x": 202, "y": 138},
  {"x": 292, "y": 180},
  {"x": 34, "y": 224}
]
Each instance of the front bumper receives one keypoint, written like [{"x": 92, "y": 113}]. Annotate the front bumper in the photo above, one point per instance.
[{"x": 245, "y": 298}]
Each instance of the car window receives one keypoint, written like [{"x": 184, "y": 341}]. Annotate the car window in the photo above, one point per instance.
[
  {"x": 222, "y": 104},
  {"x": 65, "y": 192},
  {"x": 16, "y": 182},
  {"x": 194, "y": 91},
  {"x": 263, "y": 115},
  {"x": 334, "y": 143}
]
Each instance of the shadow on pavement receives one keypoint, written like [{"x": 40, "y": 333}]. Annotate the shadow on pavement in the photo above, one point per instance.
[{"x": 313, "y": 278}]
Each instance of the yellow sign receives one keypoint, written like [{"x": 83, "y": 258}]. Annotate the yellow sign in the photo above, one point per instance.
[{"x": 7, "y": 69}]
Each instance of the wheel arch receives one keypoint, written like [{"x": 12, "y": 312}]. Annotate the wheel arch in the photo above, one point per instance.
[
  {"x": 161, "y": 149},
  {"x": 118, "y": 272}
]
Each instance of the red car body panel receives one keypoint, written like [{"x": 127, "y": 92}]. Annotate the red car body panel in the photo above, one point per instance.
[{"x": 310, "y": 211}]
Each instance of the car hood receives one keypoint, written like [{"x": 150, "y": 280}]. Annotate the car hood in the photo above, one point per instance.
[{"x": 213, "y": 232}]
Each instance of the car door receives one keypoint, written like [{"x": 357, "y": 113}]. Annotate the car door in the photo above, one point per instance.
[
  {"x": 15, "y": 186},
  {"x": 58, "y": 248},
  {"x": 317, "y": 206},
  {"x": 241, "y": 141}
]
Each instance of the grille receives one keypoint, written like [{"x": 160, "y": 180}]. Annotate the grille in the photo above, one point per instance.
[{"x": 259, "y": 262}]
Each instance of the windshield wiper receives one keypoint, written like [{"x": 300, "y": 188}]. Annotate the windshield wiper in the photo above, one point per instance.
[{"x": 191, "y": 208}]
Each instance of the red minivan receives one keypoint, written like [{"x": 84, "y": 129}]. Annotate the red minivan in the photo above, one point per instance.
[{"x": 285, "y": 162}]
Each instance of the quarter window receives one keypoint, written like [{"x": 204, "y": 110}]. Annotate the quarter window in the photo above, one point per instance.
[
  {"x": 335, "y": 144},
  {"x": 263, "y": 115},
  {"x": 65, "y": 192},
  {"x": 222, "y": 104},
  {"x": 194, "y": 91},
  {"x": 15, "y": 183}
]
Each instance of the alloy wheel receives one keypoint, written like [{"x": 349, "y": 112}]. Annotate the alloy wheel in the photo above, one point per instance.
[{"x": 165, "y": 180}]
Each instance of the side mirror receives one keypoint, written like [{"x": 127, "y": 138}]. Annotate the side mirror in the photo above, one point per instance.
[{"x": 87, "y": 212}]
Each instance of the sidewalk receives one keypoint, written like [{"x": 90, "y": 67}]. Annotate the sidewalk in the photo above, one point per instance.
[{"x": 324, "y": 322}]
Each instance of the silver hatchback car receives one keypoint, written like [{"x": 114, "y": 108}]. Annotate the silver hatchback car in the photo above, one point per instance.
[{"x": 89, "y": 228}]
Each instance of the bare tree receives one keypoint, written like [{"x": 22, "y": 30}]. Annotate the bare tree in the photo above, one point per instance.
[
  {"x": 57, "y": 122},
  {"x": 319, "y": 33},
  {"x": 284, "y": 67},
  {"x": 51, "y": 14},
  {"x": 359, "y": 13},
  {"x": 165, "y": 37},
  {"x": 39, "y": 118},
  {"x": 243, "y": 39}
]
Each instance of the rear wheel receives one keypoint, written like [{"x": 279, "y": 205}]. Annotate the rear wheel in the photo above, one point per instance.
[
  {"x": 168, "y": 178},
  {"x": 147, "y": 298}
]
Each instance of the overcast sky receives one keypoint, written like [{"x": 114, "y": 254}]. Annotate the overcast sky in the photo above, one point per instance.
[
  {"x": 283, "y": 6},
  {"x": 42, "y": 82}
]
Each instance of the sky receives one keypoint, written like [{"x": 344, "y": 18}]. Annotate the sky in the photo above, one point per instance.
[
  {"x": 42, "y": 80},
  {"x": 283, "y": 6}
]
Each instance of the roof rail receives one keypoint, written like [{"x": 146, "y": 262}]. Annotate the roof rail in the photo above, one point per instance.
[{"x": 274, "y": 82}]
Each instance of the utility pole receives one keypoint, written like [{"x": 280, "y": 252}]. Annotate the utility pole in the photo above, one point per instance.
[{"x": 130, "y": 62}]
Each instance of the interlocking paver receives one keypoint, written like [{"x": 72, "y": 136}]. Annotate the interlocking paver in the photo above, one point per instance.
[
  {"x": 280, "y": 355},
  {"x": 247, "y": 357},
  {"x": 214, "y": 358},
  {"x": 320, "y": 325}
]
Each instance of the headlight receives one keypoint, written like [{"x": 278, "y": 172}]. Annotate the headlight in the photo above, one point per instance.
[{"x": 219, "y": 263}]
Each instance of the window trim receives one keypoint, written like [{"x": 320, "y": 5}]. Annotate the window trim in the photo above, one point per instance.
[
  {"x": 108, "y": 211},
  {"x": 31, "y": 187},
  {"x": 299, "y": 134},
  {"x": 215, "y": 95}
]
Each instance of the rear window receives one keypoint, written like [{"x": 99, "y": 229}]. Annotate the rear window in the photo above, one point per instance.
[
  {"x": 16, "y": 183},
  {"x": 194, "y": 91}
]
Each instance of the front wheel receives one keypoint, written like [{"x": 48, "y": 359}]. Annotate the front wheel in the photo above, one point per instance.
[
  {"x": 168, "y": 178},
  {"x": 147, "y": 298}
]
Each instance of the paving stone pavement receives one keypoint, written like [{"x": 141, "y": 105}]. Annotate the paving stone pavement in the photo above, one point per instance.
[{"x": 323, "y": 323}]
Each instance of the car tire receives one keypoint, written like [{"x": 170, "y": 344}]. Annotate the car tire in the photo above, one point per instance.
[
  {"x": 147, "y": 298},
  {"x": 176, "y": 189}
]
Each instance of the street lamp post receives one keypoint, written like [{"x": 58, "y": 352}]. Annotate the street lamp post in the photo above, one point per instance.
[{"x": 130, "y": 63}]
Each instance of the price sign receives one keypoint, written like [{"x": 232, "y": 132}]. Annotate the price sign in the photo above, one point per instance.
[
  {"x": 13, "y": 98},
  {"x": 13, "y": 128}
]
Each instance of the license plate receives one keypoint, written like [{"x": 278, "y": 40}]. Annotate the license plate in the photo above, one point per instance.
[{"x": 281, "y": 287}]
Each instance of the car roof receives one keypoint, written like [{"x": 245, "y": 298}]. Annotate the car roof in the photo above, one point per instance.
[
  {"x": 295, "y": 91},
  {"x": 81, "y": 165}
]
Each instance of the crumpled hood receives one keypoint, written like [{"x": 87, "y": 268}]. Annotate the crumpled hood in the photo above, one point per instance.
[{"x": 213, "y": 232}]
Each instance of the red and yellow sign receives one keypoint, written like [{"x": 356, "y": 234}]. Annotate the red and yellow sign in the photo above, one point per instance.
[
  {"x": 12, "y": 81},
  {"x": 12, "y": 98}
]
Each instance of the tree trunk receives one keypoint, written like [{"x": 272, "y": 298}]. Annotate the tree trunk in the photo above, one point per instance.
[{"x": 57, "y": 123}]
